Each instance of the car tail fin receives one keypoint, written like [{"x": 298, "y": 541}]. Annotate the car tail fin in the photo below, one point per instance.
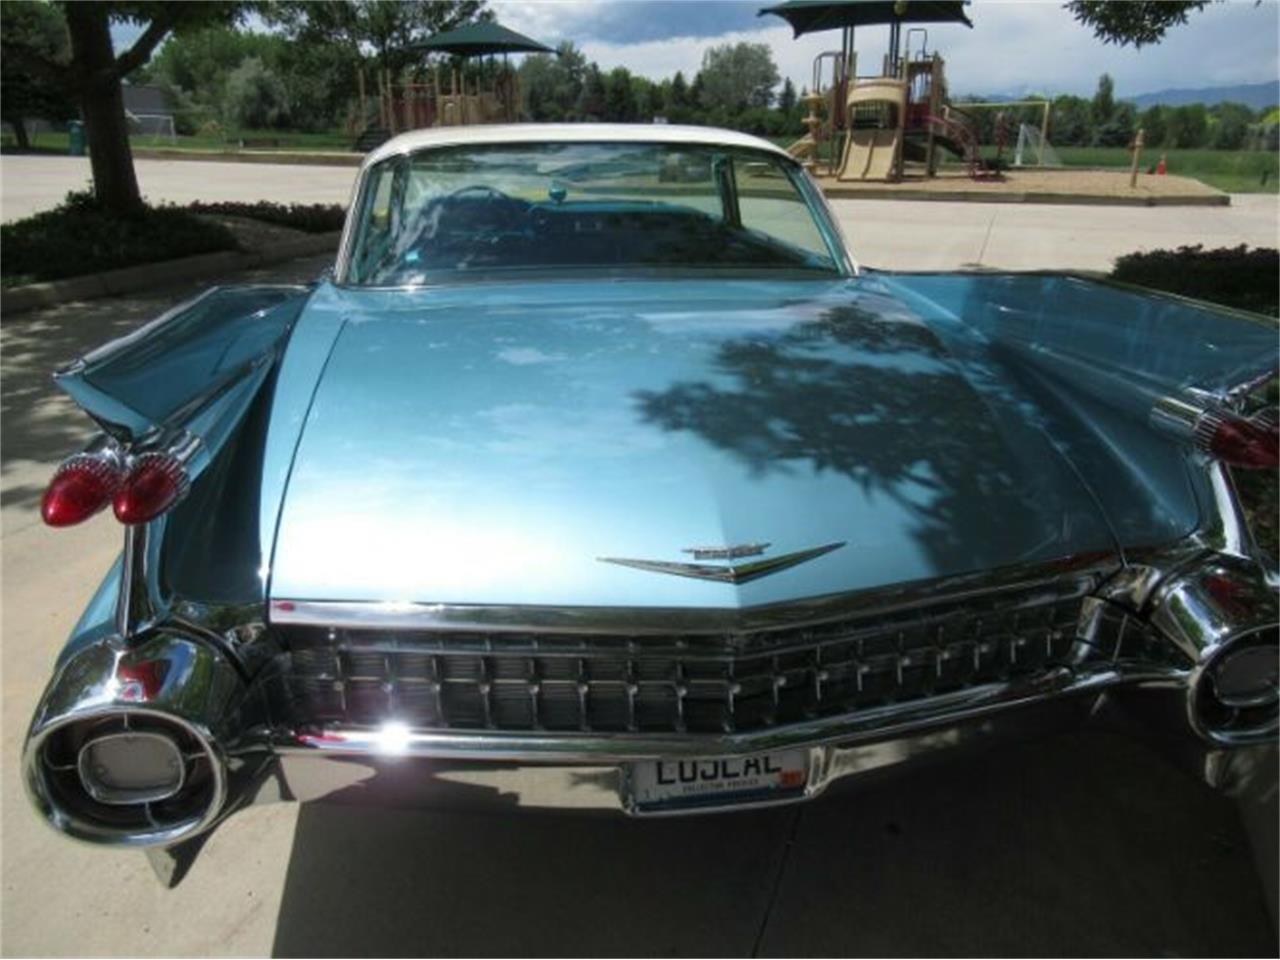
[{"x": 167, "y": 396}]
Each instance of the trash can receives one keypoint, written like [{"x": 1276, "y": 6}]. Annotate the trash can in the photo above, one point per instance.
[{"x": 75, "y": 138}]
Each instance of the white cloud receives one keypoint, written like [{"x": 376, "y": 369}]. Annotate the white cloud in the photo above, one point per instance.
[{"x": 1015, "y": 46}]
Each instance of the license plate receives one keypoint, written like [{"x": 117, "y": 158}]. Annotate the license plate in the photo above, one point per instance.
[{"x": 714, "y": 781}]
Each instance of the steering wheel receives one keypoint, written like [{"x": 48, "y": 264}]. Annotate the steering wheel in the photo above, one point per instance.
[{"x": 493, "y": 193}]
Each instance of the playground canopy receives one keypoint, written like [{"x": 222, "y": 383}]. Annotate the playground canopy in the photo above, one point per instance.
[
  {"x": 811, "y": 16},
  {"x": 478, "y": 39}
]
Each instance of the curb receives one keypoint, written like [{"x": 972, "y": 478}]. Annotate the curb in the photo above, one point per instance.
[
  {"x": 112, "y": 283},
  {"x": 1074, "y": 199},
  {"x": 321, "y": 159}
]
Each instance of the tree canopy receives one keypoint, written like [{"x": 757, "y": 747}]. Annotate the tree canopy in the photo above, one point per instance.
[
  {"x": 739, "y": 75},
  {"x": 31, "y": 26},
  {"x": 1137, "y": 22}
]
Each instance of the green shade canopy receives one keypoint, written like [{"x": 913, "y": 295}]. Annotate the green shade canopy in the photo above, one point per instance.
[
  {"x": 810, "y": 16},
  {"x": 478, "y": 39}
]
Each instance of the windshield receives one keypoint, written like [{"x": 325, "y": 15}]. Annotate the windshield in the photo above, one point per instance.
[{"x": 445, "y": 212}]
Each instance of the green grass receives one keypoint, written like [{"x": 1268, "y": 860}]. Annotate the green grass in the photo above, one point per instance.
[
  {"x": 54, "y": 142},
  {"x": 1235, "y": 171}
]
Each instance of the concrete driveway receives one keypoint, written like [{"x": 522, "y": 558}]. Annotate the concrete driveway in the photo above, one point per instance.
[{"x": 892, "y": 234}]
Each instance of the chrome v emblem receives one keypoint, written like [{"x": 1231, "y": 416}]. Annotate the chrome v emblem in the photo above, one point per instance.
[{"x": 731, "y": 573}]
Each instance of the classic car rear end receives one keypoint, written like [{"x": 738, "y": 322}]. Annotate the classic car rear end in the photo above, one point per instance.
[{"x": 598, "y": 476}]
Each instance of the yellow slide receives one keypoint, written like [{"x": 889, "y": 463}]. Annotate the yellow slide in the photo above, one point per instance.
[{"x": 869, "y": 155}]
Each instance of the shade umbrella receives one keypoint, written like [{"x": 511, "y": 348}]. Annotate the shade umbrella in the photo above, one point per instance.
[
  {"x": 811, "y": 16},
  {"x": 478, "y": 39}
]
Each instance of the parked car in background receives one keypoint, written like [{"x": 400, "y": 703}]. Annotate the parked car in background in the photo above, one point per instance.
[{"x": 597, "y": 474}]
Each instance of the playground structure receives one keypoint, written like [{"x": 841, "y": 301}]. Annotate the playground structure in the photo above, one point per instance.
[
  {"x": 885, "y": 126},
  {"x": 448, "y": 97}
]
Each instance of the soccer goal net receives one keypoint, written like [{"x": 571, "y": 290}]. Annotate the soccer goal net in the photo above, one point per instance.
[
  {"x": 152, "y": 125},
  {"x": 1033, "y": 150}
]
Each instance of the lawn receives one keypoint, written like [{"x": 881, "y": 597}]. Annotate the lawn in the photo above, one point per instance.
[
  {"x": 1235, "y": 171},
  {"x": 55, "y": 142}
]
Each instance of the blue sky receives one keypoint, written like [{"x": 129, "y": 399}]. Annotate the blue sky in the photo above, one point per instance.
[{"x": 1015, "y": 47}]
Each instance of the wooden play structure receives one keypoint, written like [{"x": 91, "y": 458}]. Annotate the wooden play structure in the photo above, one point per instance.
[
  {"x": 896, "y": 122},
  {"x": 451, "y": 96}
]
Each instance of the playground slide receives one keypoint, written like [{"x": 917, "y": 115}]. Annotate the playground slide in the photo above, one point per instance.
[
  {"x": 914, "y": 148},
  {"x": 868, "y": 155},
  {"x": 803, "y": 147}
]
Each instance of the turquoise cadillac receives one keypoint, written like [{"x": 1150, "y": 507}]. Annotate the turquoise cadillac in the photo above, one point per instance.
[{"x": 596, "y": 473}]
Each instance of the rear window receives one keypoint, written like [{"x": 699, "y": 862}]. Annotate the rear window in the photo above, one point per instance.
[{"x": 448, "y": 212}]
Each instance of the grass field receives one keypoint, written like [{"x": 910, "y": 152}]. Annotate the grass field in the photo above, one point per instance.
[
  {"x": 54, "y": 142},
  {"x": 1235, "y": 171}
]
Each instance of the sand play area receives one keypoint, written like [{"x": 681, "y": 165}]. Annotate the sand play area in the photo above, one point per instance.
[{"x": 1034, "y": 185}]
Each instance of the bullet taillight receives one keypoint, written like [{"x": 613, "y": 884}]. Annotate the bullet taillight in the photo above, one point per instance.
[
  {"x": 82, "y": 486},
  {"x": 1252, "y": 444},
  {"x": 155, "y": 482}
]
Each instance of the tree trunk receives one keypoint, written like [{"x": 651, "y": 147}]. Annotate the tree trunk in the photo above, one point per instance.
[
  {"x": 20, "y": 133},
  {"x": 102, "y": 99}
]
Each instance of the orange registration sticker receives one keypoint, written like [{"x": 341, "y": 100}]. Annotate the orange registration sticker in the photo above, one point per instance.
[{"x": 718, "y": 781}]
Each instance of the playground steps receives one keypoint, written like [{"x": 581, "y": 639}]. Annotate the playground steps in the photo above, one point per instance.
[{"x": 372, "y": 137}]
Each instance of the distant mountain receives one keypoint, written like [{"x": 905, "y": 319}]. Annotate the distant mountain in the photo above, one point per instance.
[{"x": 1255, "y": 95}]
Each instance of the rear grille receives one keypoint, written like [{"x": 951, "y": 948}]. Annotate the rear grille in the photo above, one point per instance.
[{"x": 698, "y": 683}]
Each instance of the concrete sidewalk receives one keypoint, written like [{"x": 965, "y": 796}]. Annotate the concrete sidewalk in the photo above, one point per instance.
[{"x": 891, "y": 234}]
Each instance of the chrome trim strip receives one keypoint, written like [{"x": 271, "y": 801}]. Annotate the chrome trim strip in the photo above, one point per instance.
[
  {"x": 397, "y": 740},
  {"x": 1086, "y": 572},
  {"x": 79, "y": 828}
]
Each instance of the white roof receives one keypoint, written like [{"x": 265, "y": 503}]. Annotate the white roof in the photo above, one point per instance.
[{"x": 567, "y": 132}]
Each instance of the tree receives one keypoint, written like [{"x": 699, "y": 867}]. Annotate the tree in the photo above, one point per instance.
[
  {"x": 677, "y": 105},
  {"x": 591, "y": 102},
  {"x": 254, "y": 97},
  {"x": 1119, "y": 129},
  {"x": 1137, "y": 22},
  {"x": 552, "y": 84},
  {"x": 1153, "y": 125},
  {"x": 36, "y": 26},
  {"x": 94, "y": 73},
  {"x": 1229, "y": 125},
  {"x": 787, "y": 99},
  {"x": 619, "y": 97},
  {"x": 643, "y": 95},
  {"x": 1187, "y": 126},
  {"x": 382, "y": 34},
  {"x": 1104, "y": 101},
  {"x": 737, "y": 76},
  {"x": 1072, "y": 121}
]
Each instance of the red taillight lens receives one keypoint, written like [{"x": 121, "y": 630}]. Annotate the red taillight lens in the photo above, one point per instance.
[
  {"x": 155, "y": 484},
  {"x": 1251, "y": 444},
  {"x": 83, "y": 485}
]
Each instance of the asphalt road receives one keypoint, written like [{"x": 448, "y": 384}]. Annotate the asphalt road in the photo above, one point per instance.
[
  {"x": 893, "y": 234},
  {"x": 1076, "y": 844}
]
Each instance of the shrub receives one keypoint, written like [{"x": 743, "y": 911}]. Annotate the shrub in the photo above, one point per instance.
[
  {"x": 254, "y": 97},
  {"x": 309, "y": 217},
  {"x": 1233, "y": 276},
  {"x": 79, "y": 237}
]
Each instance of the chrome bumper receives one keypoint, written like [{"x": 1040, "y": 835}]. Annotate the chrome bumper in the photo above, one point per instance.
[
  {"x": 245, "y": 747},
  {"x": 433, "y": 774}
]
